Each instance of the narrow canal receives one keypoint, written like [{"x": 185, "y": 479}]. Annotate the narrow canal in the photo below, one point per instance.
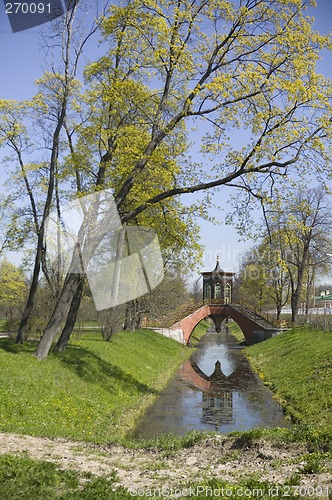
[{"x": 215, "y": 390}]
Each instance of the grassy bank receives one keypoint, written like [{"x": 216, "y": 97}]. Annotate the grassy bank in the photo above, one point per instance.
[
  {"x": 236, "y": 331},
  {"x": 198, "y": 332},
  {"x": 109, "y": 382},
  {"x": 297, "y": 365},
  {"x": 94, "y": 391}
]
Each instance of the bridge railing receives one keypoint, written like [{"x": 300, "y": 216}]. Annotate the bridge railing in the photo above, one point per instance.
[
  {"x": 189, "y": 307},
  {"x": 213, "y": 301},
  {"x": 174, "y": 316},
  {"x": 257, "y": 314},
  {"x": 249, "y": 309}
]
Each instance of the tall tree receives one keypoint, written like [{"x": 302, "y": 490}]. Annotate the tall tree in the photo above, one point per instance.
[
  {"x": 243, "y": 72},
  {"x": 251, "y": 69},
  {"x": 57, "y": 90},
  {"x": 301, "y": 229},
  {"x": 47, "y": 113},
  {"x": 263, "y": 280}
]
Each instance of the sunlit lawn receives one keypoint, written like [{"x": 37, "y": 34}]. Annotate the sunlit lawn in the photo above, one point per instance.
[
  {"x": 298, "y": 366},
  {"x": 94, "y": 391}
]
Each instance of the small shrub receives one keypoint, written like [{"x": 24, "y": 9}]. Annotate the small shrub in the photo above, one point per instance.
[{"x": 313, "y": 465}]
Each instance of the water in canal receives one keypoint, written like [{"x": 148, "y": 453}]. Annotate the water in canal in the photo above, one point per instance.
[{"x": 215, "y": 390}]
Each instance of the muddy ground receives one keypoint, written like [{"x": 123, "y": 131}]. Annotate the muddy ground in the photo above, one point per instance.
[{"x": 221, "y": 457}]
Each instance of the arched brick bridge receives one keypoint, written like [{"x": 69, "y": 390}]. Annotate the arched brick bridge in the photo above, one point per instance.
[{"x": 255, "y": 328}]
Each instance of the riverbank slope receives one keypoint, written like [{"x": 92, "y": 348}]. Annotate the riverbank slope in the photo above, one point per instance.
[
  {"x": 297, "y": 366},
  {"x": 94, "y": 391},
  {"x": 275, "y": 463}
]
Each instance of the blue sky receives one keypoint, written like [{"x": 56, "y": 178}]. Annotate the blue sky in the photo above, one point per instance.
[{"x": 21, "y": 64}]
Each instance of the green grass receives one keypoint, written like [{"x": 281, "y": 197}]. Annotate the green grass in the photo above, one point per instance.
[
  {"x": 3, "y": 325},
  {"x": 317, "y": 438},
  {"x": 236, "y": 331},
  {"x": 198, "y": 332},
  {"x": 297, "y": 365},
  {"x": 95, "y": 391},
  {"x": 22, "y": 478},
  {"x": 169, "y": 443}
]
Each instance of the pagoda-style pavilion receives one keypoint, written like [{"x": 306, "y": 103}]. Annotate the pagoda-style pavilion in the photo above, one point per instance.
[{"x": 218, "y": 285}]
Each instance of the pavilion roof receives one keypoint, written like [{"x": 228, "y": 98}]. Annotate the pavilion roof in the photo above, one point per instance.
[{"x": 217, "y": 270}]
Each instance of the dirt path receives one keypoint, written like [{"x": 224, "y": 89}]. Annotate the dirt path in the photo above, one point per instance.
[{"x": 218, "y": 457}]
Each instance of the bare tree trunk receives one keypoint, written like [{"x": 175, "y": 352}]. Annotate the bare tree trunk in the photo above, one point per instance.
[
  {"x": 310, "y": 286},
  {"x": 279, "y": 307},
  {"x": 307, "y": 300},
  {"x": 129, "y": 316},
  {"x": 112, "y": 321},
  {"x": 294, "y": 306},
  {"x": 29, "y": 305},
  {"x": 71, "y": 318},
  {"x": 59, "y": 313},
  {"x": 40, "y": 241},
  {"x": 296, "y": 295},
  {"x": 134, "y": 313}
]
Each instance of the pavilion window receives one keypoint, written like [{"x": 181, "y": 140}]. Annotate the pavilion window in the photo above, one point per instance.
[
  {"x": 208, "y": 291},
  {"x": 228, "y": 293}
]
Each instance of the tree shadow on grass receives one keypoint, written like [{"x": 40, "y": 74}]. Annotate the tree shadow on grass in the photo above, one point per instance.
[
  {"x": 8, "y": 344},
  {"x": 93, "y": 369},
  {"x": 86, "y": 365}
]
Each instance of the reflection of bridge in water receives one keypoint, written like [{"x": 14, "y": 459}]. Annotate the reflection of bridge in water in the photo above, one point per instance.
[
  {"x": 217, "y": 381},
  {"x": 217, "y": 389}
]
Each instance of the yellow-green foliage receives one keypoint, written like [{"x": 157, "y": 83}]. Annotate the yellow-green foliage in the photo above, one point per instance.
[
  {"x": 95, "y": 391},
  {"x": 298, "y": 365},
  {"x": 13, "y": 287}
]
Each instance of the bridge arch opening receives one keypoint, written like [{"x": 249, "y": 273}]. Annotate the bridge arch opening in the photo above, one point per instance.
[
  {"x": 218, "y": 320},
  {"x": 217, "y": 312}
]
